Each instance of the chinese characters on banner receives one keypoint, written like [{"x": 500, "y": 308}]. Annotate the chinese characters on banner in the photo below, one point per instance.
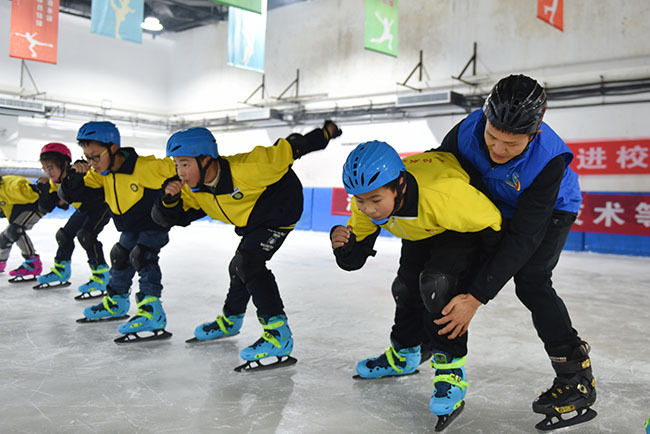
[
  {"x": 611, "y": 157},
  {"x": 552, "y": 12},
  {"x": 627, "y": 214},
  {"x": 34, "y": 30}
]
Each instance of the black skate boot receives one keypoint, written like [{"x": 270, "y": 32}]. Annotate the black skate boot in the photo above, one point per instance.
[{"x": 573, "y": 390}]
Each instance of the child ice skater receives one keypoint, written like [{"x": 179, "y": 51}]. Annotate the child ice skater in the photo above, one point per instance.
[
  {"x": 85, "y": 224},
  {"x": 261, "y": 196}
]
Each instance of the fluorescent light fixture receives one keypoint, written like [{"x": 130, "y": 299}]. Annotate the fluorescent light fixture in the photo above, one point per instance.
[{"x": 152, "y": 24}]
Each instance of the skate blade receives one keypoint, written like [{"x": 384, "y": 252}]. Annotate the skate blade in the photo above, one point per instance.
[
  {"x": 359, "y": 377},
  {"x": 89, "y": 295},
  {"x": 130, "y": 338},
  {"x": 256, "y": 365},
  {"x": 85, "y": 320},
  {"x": 583, "y": 415},
  {"x": 195, "y": 341},
  {"x": 50, "y": 285},
  {"x": 20, "y": 279},
  {"x": 445, "y": 420}
]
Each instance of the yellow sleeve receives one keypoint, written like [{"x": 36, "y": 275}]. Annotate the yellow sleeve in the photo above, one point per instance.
[
  {"x": 155, "y": 171},
  {"x": 462, "y": 208},
  {"x": 265, "y": 164},
  {"x": 93, "y": 179},
  {"x": 361, "y": 224}
]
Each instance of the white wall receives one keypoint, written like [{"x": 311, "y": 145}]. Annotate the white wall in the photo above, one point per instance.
[{"x": 186, "y": 73}]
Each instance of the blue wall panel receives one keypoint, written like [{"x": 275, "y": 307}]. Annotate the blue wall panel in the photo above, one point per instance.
[
  {"x": 305, "y": 220},
  {"x": 620, "y": 244},
  {"x": 322, "y": 218}
]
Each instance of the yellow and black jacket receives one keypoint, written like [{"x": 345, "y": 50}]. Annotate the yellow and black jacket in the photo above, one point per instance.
[
  {"x": 255, "y": 189},
  {"x": 130, "y": 192},
  {"x": 438, "y": 198},
  {"x": 17, "y": 191}
]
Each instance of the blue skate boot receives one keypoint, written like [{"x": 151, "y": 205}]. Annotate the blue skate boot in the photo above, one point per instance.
[
  {"x": 224, "y": 326},
  {"x": 96, "y": 285},
  {"x": 150, "y": 317},
  {"x": 449, "y": 388},
  {"x": 276, "y": 341},
  {"x": 390, "y": 363},
  {"x": 110, "y": 309},
  {"x": 58, "y": 276}
]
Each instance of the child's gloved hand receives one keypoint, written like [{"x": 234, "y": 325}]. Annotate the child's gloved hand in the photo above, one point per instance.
[
  {"x": 172, "y": 190},
  {"x": 341, "y": 235},
  {"x": 333, "y": 131}
]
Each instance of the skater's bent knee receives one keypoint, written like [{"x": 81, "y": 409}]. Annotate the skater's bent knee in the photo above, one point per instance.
[
  {"x": 246, "y": 267},
  {"x": 119, "y": 257},
  {"x": 141, "y": 256},
  {"x": 436, "y": 289}
]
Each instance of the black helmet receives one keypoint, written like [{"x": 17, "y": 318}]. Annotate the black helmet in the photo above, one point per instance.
[{"x": 516, "y": 105}]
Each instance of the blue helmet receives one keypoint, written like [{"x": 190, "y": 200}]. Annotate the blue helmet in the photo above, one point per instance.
[
  {"x": 192, "y": 142},
  {"x": 104, "y": 132},
  {"x": 371, "y": 165}
]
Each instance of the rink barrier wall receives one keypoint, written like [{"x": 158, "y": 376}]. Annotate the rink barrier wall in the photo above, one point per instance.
[{"x": 317, "y": 216}]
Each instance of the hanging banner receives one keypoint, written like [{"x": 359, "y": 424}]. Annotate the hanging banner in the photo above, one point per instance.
[
  {"x": 119, "y": 19},
  {"x": 552, "y": 12},
  {"x": 627, "y": 214},
  {"x": 611, "y": 157},
  {"x": 34, "y": 30},
  {"x": 247, "y": 38},
  {"x": 382, "y": 26},
  {"x": 248, "y": 5}
]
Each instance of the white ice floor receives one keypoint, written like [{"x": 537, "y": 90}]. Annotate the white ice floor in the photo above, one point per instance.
[{"x": 58, "y": 376}]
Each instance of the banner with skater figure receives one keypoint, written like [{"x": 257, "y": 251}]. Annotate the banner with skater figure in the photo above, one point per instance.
[
  {"x": 382, "y": 26},
  {"x": 34, "y": 30},
  {"x": 247, "y": 38},
  {"x": 119, "y": 19}
]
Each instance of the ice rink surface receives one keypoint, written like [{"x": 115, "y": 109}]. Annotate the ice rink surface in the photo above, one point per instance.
[{"x": 58, "y": 376}]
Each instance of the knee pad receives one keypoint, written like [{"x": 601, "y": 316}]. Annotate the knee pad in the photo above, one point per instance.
[
  {"x": 141, "y": 256},
  {"x": 436, "y": 289},
  {"x": 62, "y": 238},
  {"x": 119, "y": 257},
  {"x": 87, "y": 238},
  {"x": 245, "y": 266},
  {"x": 400, "y": 292},
  {"x": 14, "y": 232}
]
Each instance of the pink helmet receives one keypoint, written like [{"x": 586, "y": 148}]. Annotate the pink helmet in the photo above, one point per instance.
[{"x": 59, "y": 148}]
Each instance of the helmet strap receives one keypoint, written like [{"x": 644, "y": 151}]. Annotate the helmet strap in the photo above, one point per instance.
[
  {"x": 400, "y": 194},
  {"x": 202, "y": 171},
  {"x": 111, "y": 160}
]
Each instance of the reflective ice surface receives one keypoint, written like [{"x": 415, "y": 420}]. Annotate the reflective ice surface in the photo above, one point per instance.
[{"x": 57, "y": 376}]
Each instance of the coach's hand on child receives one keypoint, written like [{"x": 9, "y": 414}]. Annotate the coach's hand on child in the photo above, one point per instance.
[{"x": 457, "y": 315}]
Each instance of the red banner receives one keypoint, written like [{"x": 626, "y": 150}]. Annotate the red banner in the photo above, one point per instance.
[
  {"x": 552, "y": 12},
  {"x": 341, "y": 202},
  {"x": 34, "y": 30},
  {"x": 627, "y": 214},
  {"x": 611, "y": 157}
]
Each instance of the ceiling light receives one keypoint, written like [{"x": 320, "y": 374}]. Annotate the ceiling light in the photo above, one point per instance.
[{"x": 152, "y": 24}]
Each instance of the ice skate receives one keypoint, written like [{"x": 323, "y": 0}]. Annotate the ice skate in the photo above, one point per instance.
[
  {"x": 389, "y": 364},
  {"x": 572, "y": 394},
  {"x": 449, "y": 388},
  {"x": 276, "y": 341},
  {"x": 110, "y": 309},
  {"x": 224, "y": 326},
  {"x": 27, "y": 271},
  {"x": 96, "y": 285},
  {"x": 58, "y": 276},
  {"x": 149, "y": 319}
]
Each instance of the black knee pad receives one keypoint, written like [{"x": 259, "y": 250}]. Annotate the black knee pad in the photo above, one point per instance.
[
  {"x": 141, "y": 256},
  {"x": 119, "y": 257},
  {"x": 62, "y": 238},
  {"x": 246, "y": 267},
  {"x": 436, "y": 289},
  {"x": 87, "y": 238},
  {"x": 14, "y": 232},
  {"x": 400, "y": 292}
]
